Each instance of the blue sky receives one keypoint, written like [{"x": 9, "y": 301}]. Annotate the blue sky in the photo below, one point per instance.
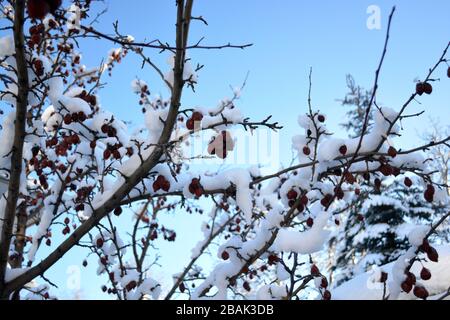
[{"x": 289, "y": 37}]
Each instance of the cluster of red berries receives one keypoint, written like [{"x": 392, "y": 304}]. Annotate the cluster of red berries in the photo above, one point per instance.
[
  {"x": 315, "y": 272},
  {"x": 108, "y": 130},
  {"x": 431, "y": 252},
  {"x": 425, "y": 274},
  {"x": 74, "y": 117},
  {"x": 66, "y": 48},
  {"x": 429, "y": 193},
  {"x": 35, "y": 33},
  {"x": 221, "y": 144},
  {"x": 292, "y": 199},
  {"x": 195, "y": 118},
  {"x": 196, "y": 188},
  {"x": 168, "y": 235},
  {"x": 38, "y": 9},
  {"x": 161, "y": 183},
  {"x": 89, "y": 98},
  {"x": 82, "y": 194},
  {"x": 410, "y": 282},
  {"x": 38, "y": 67},
  {"x": 112, "y": 150},
  {"x": 423, "y": 87}
]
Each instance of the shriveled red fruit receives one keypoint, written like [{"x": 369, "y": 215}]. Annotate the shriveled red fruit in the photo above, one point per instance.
[
  {"x": 383, "y": 277},
  {"x": 85, "y": 263},
  {"x": 105, "y": 128},
  {"x": 392, "y": 152},
  {"x": 66, "y": 220},
  {"x": 246, "y": 286},
  {"x": 343, "y": 149},
  {"x": 165, "y": 186},
  {"x": 106, "y": 154},
  {"x": 304, "y": 200},
  {"x": 156, "y": 186},
  {"x": 48, "y": 242},
  {"x": 326, "y": 295},
  {"x": 306, "y": 151},
  {"x": 386, "y": 169},
  {"x": 324, "y": 282},
  {"x": 429, "y": 195},
  {"x": 116, "y": 154},
  {"x": 407, "y": 287},
  {"x": 427, "y": 88},
  {"x": 197, "y": 116},
  {"x": 420, "y": 292},
  {"x": 225, "y": 255},
  {"x": 321, "y": 118},
  {"x": 315, "y": 271},
  {"x": 118, "y": 211},
  {"x": 410, "y": 278},
  {"x": 326, "y": 200},
  {"x": 407, "y": 182},
  {"x": 425, "y": 246},
  {"x": 99, "y": 242},
  {"x": 37, "y": 9},
  {"x": 339, "y": 193},
  {"x": 190, "y": 124},
  {"x": 360, "y": 217},
  {"x": 448, "y": 72},
  {"x": 425, "y": 274},
  {"x": 309, "y": 222},
  {"x": 419, "y": 88},
  {"x": 292, "y": 194},
  {"x": 273, "y": 258},
  {"x": 131, "y": 285},
  {"x": 433, "y": 255},
  {"x": 182, "y": 287}
]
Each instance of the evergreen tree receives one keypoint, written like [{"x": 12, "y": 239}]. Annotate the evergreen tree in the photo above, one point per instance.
[{"x": 374, "y": 228}]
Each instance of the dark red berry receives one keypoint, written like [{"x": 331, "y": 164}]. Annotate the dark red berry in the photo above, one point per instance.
[
  {"x": 420, "y": 88},
  {"x": 392, "y": 152},
  {"x": 315, "y": 271},
  {"x": 306, "y": 151},
  {"x": 420, "y": 292},
  {"x": 118, "y": 211},
  {"x": 225, "y": 255},
  {"x": 343, "y": 150},
  {"x": 425, "y": 274},
  {"x": 407, "y": 182},
  {"x": 427, "y": 88},
  {"x": 99, "y": 242},
  {"x": 433, "y": 255},
  {"x": 292, "y": 194},
  {"x": 406, "y": 287}
]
